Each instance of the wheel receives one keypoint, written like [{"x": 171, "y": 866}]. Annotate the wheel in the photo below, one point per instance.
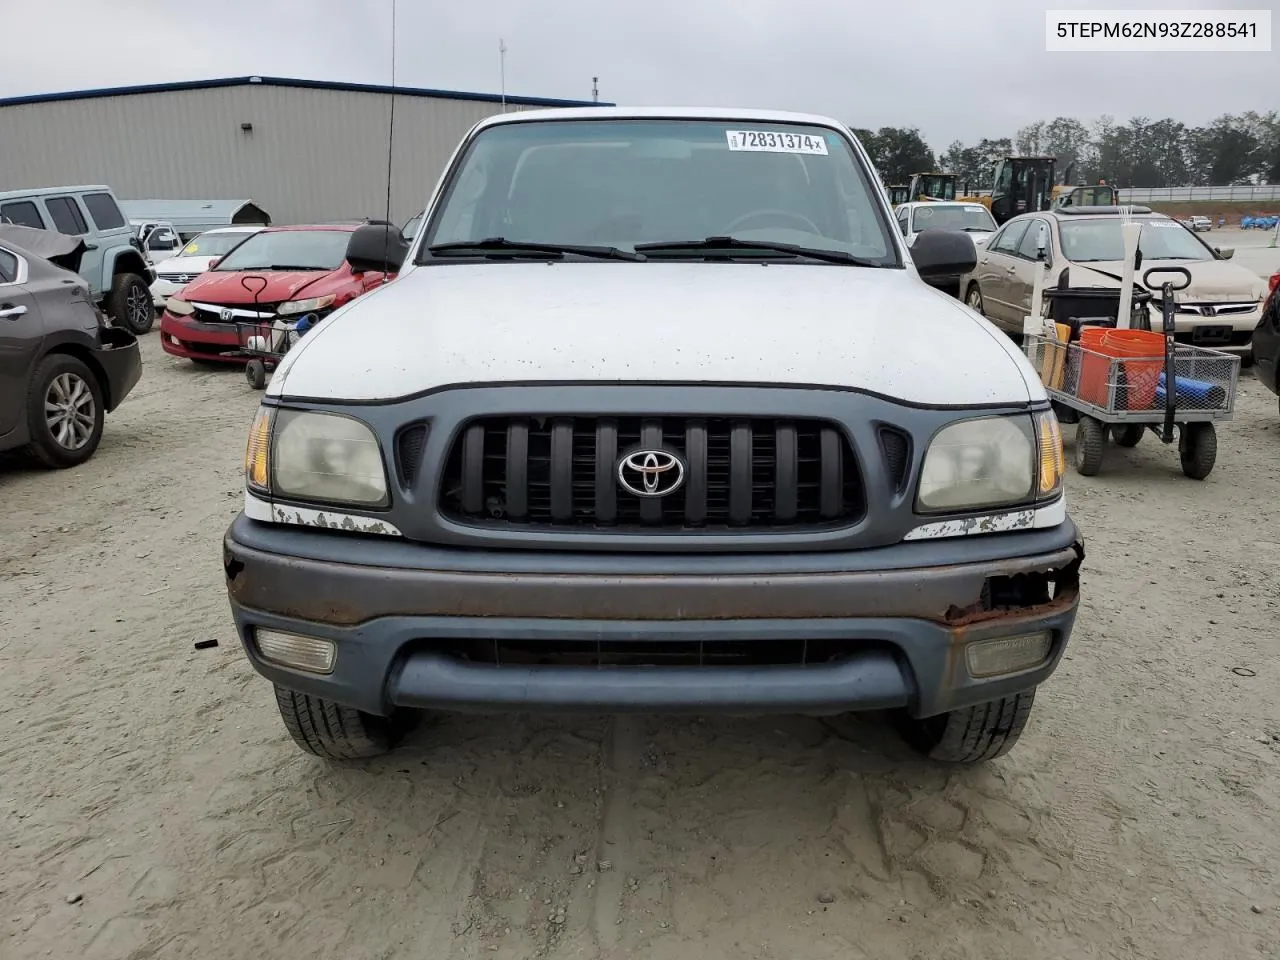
[
  {"x": 972, "y": 734},
  {"x": 255, "y": 371},
  {"x": 129, "y": 303},
  {"x": 1091, "y": 440},
  {"x": 335, "y": 732},
  {"x": 973, "y": 299},
  {"x": 1127, "y": 435},
  {"x": 1199, "y": 449},
  {"x": 64, "y": 411}
]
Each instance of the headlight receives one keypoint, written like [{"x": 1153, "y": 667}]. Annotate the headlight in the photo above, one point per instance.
[
  {"x": 179, "y": 307},
  {"x": 326, "y": 457},
  {"x": 291, "y": 307},
  {"x": 990, "y": 462}
]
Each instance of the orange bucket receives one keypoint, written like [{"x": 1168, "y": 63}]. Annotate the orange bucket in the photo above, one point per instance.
[
  {"x": 1142, "y": 374},
  {"x": 1093, "y": 369}
]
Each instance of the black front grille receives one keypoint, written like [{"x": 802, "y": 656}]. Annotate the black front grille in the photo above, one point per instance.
[{"x": 740, "y": 473}]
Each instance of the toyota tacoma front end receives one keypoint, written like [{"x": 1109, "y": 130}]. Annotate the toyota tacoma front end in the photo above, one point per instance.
[{"x": 614, "y": 442}]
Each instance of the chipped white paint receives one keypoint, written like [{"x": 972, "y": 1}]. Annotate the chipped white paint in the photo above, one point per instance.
[
  {"x": 1049, "y": 516},
  {"x": 258, "y": 509},
  {"x": 881, "y": 330}
]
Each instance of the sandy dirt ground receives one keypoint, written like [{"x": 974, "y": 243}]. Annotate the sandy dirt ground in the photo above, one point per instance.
[{"x": 152, "y": 806}]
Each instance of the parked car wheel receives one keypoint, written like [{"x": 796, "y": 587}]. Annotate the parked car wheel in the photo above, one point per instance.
[
  {"x": 335, "y": 732},
  {"x": 129, "y": 303},
  {"x": 973, "y": 299},
  {"x": 972, "y": 734},
  {"x": 64, "y": 411}
]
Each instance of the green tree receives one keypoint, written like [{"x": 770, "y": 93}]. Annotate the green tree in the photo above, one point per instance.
[{"x": 1032, "y": 140}]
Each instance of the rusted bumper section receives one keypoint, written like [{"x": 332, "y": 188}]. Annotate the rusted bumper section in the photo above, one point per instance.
[{"x": 423, "y": 626}]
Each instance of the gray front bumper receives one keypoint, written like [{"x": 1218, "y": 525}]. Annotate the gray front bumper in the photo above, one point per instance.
[{"x": 902, "y": 616}]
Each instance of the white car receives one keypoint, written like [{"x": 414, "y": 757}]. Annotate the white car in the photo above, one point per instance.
[
  {"x": 658, "y": 416},
  {"x": 194, "y": 259},
  {"x": 1198, "y": 223},
  {"x": 971, "y": 218}
]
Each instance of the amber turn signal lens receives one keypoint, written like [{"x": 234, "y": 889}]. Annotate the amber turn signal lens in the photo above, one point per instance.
[
  {"x": 1052, "y": 462},
  {"x": 256, "y": 469}
]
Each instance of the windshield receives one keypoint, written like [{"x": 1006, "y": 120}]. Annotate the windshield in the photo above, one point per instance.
[
  {"x": 212, "y": 244},
  {"x": 289, "y": 250},
  {"x": 1091, "y": 240},
  {"x": 412, "y": 227},
  {"x": 941, "y": 216},
  {"x": 619, "y": 183}
]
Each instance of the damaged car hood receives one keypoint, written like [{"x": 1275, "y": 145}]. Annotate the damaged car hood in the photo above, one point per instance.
[{"x": 878, "y": 330}]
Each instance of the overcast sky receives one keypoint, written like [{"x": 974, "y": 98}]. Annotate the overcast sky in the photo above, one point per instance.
[{"x": 956, "y": 71}]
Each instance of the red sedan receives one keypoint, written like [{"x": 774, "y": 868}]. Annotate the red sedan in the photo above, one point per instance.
[{"x": 280, "y": 273}]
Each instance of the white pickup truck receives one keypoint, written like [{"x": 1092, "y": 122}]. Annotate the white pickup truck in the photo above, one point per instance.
[{"x": 660, "y": 416}]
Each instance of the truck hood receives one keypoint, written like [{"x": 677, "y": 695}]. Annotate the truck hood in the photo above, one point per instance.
[
  {"x": 879, "y": 330},
  {"x": 225, "y": 289},
  {"x": 184, "y": 265},
  {"x": 1212, "y": 281}
]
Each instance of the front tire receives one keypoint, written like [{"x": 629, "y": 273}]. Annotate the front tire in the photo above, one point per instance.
[
  {"x": 971, "y": 734},
  {"x": 335, "y": 732},
  {"x": 1199, "y": 449},
  {"x": 255, "y": 371},
  {"x": 64, "y": 412},
  {"x": 973, "y": 300},
  {"x": 129, "y": 303},
  {"x": 1091, "y": 441}
]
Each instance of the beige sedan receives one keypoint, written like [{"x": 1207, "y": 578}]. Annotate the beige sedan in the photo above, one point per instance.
[{"x": 1219, "y": 309}]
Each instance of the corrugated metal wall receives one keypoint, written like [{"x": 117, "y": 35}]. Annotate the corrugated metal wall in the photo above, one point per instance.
[{"x": 312, "y": 154}]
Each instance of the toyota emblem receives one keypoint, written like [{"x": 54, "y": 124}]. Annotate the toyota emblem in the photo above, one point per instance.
[
  {"x": 651, "y": 473},
  {"x": 225, "y": 315}
]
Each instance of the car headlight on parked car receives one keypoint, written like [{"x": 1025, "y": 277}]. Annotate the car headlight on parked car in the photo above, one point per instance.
[
  {"x": 991, "y": 462},
  {"x": 179, "y": 307},
  {"x": 323, "y": 457},
  {"x": 291, "y": 307}
]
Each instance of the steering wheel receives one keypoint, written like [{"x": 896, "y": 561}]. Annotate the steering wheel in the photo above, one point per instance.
[{"x": 808, "y": 224}]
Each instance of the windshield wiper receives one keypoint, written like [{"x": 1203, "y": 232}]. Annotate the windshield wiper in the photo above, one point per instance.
[
  {"x": 501, "y": 245},
  {"x": 732, "y": 243}
]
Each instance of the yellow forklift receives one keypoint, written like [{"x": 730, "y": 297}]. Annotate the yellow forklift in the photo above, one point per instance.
[
  {"x": 932, "y": 186},
  {"x": 899, "y": 194}
]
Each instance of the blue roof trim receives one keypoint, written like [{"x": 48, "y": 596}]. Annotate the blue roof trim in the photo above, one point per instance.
[{"x": 292, "y": 82}]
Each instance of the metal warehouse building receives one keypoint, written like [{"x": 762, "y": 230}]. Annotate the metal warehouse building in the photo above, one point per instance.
[{"x": 303, "y": 150}]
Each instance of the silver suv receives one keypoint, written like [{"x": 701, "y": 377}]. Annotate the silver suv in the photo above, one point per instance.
[{"x": 112, "y": 262}]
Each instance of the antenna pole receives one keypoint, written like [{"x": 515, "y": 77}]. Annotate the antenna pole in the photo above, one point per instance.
[
  {"x": 595, "y": 89},
  {"x": 391, "y": 131},
  {"x": 502, "y": 71}
]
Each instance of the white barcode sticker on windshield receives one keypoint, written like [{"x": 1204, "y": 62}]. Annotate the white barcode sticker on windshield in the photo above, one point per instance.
[{"x": 770, "y": 141}]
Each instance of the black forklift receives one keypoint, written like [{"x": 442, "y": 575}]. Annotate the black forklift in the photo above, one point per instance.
[{"x": 1021, "y": 185}]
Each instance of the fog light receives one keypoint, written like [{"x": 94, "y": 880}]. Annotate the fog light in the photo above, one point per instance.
[
  {"x": 991, "y": 658},
  {"x": 300, "y": 653}
]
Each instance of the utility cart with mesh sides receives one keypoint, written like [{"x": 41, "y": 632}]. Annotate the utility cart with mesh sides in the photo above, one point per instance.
[
  {"x": 264, "y": 342},
  {"x": 1124, "y": 383}
]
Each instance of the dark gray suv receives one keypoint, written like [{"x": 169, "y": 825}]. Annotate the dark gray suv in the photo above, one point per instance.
[{"x": 61, "y": 367}]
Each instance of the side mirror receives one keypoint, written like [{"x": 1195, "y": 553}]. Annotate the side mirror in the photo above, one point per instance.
[
  {"x": 376, "y": 248},
  {"x": 943, "y": 253},
  {"x": 1226, "y": 254}
]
